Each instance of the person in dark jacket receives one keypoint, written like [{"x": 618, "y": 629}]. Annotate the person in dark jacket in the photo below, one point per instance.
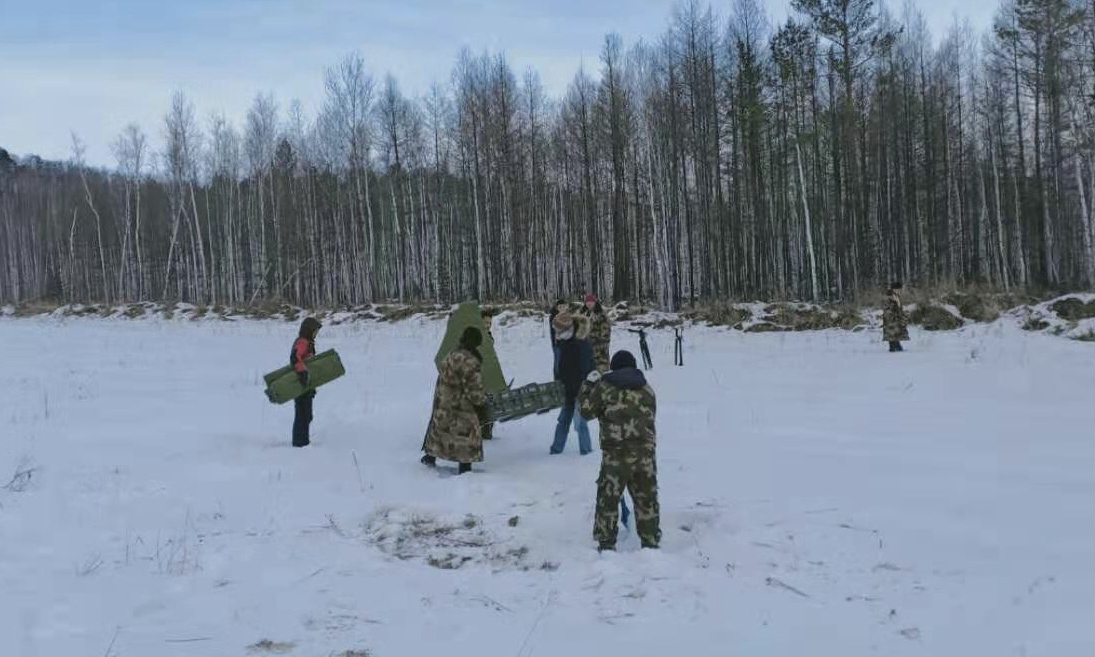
[
  {"x": 304, "y": 347},
  {"x": 560, "y": 306},
  {"x": 575, "y": 363}
]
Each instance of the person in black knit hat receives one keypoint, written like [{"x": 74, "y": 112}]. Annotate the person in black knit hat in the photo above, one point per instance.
[
  {"x": 458, "y": 401},
  {"x": 624, "y": 404}
]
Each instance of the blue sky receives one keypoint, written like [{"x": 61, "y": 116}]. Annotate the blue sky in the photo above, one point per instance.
[{"x": 93, "y": 66}]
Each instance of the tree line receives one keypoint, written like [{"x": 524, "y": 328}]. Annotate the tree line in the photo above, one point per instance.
[{"x": 815, "y": 159}]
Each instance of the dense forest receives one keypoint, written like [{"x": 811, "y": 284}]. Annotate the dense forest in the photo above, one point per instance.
[{"x": 727, "y": 158}]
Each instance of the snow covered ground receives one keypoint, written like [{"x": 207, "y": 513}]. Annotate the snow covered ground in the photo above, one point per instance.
[{"x": 819, "y": 496}]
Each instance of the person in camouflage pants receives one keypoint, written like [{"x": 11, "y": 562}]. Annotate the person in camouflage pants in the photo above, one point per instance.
[
  {"x": 624, "y": 405},
  {"x": 600, "y": 331},
  {"x": 458, "y": 401},
  {"x": 895, "y": 327}
]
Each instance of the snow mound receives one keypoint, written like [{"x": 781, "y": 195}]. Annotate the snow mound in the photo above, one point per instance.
[{"x": 1070, "y": 315}]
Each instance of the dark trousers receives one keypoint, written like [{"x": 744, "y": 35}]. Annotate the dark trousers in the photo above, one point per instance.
[
  {"x": 486, "y": 427},
  {"x": 302, "y": 419},
  {"x": 896, "y": 346}
]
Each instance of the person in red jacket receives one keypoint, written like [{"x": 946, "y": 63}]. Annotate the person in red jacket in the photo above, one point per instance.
[{"x": 304, "y": 347}]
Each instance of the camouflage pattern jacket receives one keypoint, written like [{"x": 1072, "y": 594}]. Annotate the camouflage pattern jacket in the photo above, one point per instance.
[
  {"x": 624, "y": 405},
  {"x": 570, "y": 324},
  {"x": 454, "y": 425},
  {"x": 894, "y": 323},
  {"x": 600, "y": 334}
]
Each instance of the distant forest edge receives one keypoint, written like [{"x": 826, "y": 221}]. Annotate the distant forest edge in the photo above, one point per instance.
[
  {"x": 1070, "y": 315},
  {"x": 728, "y": 158}
]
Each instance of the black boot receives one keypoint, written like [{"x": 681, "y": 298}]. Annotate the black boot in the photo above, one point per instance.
[
  {"x": 900, "y": 347},
  {"x": 428, "y": 460},
  {"x": 464, "y": 467},
  {"x": 894, "y": 346}
]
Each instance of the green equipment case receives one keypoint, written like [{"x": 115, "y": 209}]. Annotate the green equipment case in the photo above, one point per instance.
[
  {"x": 534, "y": 398},
  {"x": 282, "y": 384}
]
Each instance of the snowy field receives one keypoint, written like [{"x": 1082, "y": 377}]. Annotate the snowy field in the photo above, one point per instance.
[{"x": 819, "y": 496}]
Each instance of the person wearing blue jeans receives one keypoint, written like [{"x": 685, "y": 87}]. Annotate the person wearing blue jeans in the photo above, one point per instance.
[
  {"x": 575, "y": 363},
  {"x": 568, "y": 416}
]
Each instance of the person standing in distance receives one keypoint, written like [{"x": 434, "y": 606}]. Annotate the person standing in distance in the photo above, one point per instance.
[
  {"x": 304, "y": 347},
  {"x": 895, "y": 325}
]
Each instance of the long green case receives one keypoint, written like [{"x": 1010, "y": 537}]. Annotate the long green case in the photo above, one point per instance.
[
  {"x": 282, "y": 384},
  {"x": 529, "y": 399}
]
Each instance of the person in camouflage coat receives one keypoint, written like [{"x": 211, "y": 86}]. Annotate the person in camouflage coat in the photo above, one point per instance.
[
  {"x": 625, "y": 406},
  {"x": 458, "y": 398},
  {"x": 600, "y": 331},
  {"x": 894, "y": 323}
]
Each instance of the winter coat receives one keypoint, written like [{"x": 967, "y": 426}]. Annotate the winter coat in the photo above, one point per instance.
[
  {"x": 454, "y": 424},
  {"x": 302, "y": 350},
  {"x": 575, "y": 364},
  {"x": 624, "y": 405},
  {"x": 600, "y": 334},
  {"x": 304, "y": 347},
  {"x": 894, "y": 323},
  {"x": 562, "y": 326}
]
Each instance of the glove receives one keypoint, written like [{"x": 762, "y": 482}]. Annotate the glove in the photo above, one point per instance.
[
  {"x": 304, "y": 378},
  {"x": 593, "y": 377}
]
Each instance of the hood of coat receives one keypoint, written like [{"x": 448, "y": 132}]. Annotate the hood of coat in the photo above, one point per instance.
[
  {"x": 628, "y": 378},
  {"x": 309, "y": 327}
]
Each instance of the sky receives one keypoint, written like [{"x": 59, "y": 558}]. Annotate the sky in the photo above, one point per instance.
[{"x": 91, "y": 67}]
